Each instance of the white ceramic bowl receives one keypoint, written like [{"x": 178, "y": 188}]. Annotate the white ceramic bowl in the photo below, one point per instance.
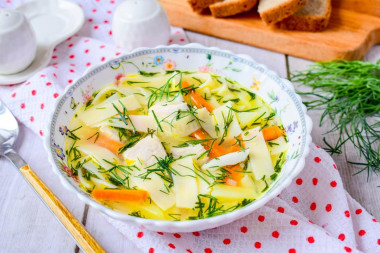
[{"x": 273, "y": 89}]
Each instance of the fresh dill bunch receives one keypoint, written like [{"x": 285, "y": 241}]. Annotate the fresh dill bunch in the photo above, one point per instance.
[{"x": 348, "y": 93}]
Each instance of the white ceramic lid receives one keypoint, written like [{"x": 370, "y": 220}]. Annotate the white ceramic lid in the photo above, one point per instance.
[
  {"x": 137, "y": 10},
  {"x": 10, "y": 19}
]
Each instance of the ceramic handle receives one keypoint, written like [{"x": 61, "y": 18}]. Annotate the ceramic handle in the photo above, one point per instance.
[{"x": 76, "y": 229}]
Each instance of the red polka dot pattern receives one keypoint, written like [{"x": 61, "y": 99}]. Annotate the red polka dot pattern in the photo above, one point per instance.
[
  {"x": 310, "y": 239},
  {"x": 328, "y": 207},
  {"x": 275, "y": 234},
  {"x": 227, "y": 241},
  {"x": 244, "y": 229},
  {"x": 257, "y": 245},
  {"x": 362, "y": 232},
  {"x": 347, "y": 249}
]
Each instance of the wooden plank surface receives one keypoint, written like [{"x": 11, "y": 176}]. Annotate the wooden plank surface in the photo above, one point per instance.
[{"x": 350, "y": 34}]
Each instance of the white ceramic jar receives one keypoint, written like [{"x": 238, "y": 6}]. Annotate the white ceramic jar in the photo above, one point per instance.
[
  {"x": 140, "y": 23},
  {"x": 17, "y": 42}
]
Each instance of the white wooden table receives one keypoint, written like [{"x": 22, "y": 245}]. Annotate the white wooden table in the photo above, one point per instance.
[{"x": 26, "y": 225}]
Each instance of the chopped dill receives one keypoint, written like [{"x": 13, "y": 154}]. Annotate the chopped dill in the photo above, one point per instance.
[
  {"x": 71, "y": 134},
  {"x": 157, "y": 121},
  {"x": 248, "y": 110}
]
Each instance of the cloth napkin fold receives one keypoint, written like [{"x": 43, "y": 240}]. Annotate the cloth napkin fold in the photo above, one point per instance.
[{"x": 313, "y": 214}]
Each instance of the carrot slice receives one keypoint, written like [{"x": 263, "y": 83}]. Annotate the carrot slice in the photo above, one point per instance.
[
  {"x": 216, "y": 149},
  {"x": 271, "y": 132},
  {"x": 234, "y": 145},
  {"x": 110, "y": 144},
  {"x": 120, "y": 195},
  {"x": 234, "y": 175},
  {"x": 197, "y": 99},
  {"x": 200, "y": 134}
]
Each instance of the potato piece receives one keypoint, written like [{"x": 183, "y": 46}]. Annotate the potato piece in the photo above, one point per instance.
[
  {"x": 233, "y": 193},
  {"x": 185, "y": 182},
  {"x": 259, "y": 162}
]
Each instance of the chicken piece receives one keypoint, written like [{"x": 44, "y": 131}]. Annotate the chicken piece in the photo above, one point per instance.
[
  {"x": 198, "y": 151},
  {"x": 146, "y": 151},
  {"x": 168, "y": 111}
]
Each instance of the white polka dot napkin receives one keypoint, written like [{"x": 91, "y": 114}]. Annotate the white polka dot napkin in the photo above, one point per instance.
[{"x": 314, "y": 214}]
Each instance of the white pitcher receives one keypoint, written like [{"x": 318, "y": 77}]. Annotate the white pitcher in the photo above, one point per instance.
[
  {"x": 140, "y": 23},
  {"x": 17, "y": 42}
]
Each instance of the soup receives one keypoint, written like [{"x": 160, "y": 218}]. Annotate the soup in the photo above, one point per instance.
[{"x": 179, "y": 145}]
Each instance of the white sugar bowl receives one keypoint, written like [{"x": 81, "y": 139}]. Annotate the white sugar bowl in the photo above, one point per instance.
[
  {"x": 17, "y": 42},
  {"x": 140, "y": 23}
]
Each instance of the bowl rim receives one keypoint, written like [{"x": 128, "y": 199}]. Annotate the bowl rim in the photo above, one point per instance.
[{"x": 186, "y": 225}]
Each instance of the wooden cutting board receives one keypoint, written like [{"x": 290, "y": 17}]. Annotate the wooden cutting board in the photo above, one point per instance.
[{"x": 353, "y": 29}]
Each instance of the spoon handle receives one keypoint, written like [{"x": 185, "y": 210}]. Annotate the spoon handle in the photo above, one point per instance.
[{"x": 76, "y": 229}]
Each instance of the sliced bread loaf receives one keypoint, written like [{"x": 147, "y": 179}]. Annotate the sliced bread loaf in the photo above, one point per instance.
[
  {"x": 231, "y": 7},
  {"x": 200, "y": 5},
  {"x": 273, "y": 11},
  {"x": 313, "y": 17}
]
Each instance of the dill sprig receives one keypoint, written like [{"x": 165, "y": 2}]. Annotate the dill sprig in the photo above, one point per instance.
[
  {"x": 124, "y": 116},
  {"x": 348, "y": 92}
]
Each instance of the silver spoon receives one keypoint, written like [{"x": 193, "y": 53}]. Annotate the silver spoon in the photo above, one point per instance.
[{"x": 8, "y": 135}]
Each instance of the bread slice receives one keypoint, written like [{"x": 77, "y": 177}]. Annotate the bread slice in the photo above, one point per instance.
[
  {"x": 273, "y": 11},
  {"x": 200, "y": 5},
  {"x": 313, "y": 17},
  {"x": 231, "y": 7}
]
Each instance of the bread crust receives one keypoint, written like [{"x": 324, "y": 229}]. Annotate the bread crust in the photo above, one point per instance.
[
  {"x": 306, "y": 23},
  {"x": 282, "y": 11},
  {"x": 200, "y": 5},
  {"x": 230, "y": 8}
]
